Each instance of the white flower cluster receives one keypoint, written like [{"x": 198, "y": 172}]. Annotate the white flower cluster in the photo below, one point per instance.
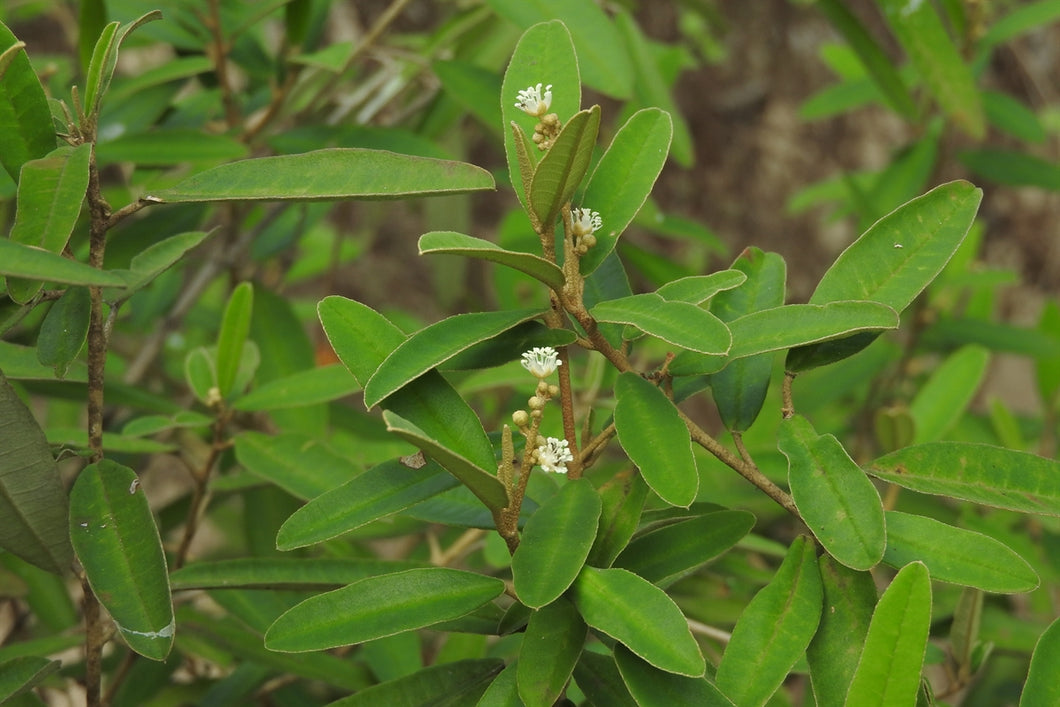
[
  {"x": 553, "y": 455},
  {"x": 541, "y": 361},
  {"x": 533, "y": 102}
]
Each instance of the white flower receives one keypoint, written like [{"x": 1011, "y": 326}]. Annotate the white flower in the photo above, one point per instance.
[
  {"x": 541, "y": 361},
  {"x": 553, "y": 455},
  {"x": 585, "y": 222},
  {"x": 531, "y": 101}
]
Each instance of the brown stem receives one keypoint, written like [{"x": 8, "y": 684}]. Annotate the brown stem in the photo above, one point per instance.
[
  {"x": 201, "y": 496},
  {"x": 787, "y": 409},
  {"x": 566, "y": 401},
  {"x": 93, "y": 644}
]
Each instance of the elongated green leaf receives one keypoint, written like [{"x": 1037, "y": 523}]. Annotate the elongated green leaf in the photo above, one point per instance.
[
  {"x": 892, "y": 262},
  {"x": 153, "y": 261},
  {"x": 956, "y": 555},
  {"x": 598, "y": 677},
  {"x": 639, "y": 615},
  {"x": 564, "y": 165},
  {"x": 170, "y": 147},
  {"x": 506, "y": 347},
  {"x": 889, "y": 670},
  {"x": 652, "y": 687},
  {"x": 117, "y": 543},
  {"x": 624, "y": 177},
  {"x": 849, "y": 600},
  {"x": 938, "y": 61},
  {"x": 656, "y": 439},
  {"x": 942, "y": 400},
  {"x": 1013, "y": 168},
  {"x": 665, "y": 555},
  {"x": 329, "y": 174},
  {"x": 26, "y": 131},
  {"x": 316, "y": 385},
  {"x": 555, "y": 543},
  {"x": 105, "y": 60},
  {"x": 299, "y": 464},
  {"x": 551, "y": 645},
  {"x": 282, "y": 572},
  {"x": 33, "y": 506},
  {"x": 794, "y": 325},
  {"x": 678, "y": 323},
  {"x": 981, "y": 473},
  {"x": 380, "y": 606},
  {"x": 544, "y": 55},
  {"x": 233, "y": 334},
  {"x": 21, "y": 674},
  {"x": 435, "y": 344},
  {"x": 622, "y": 498},
  {"x": 773, "y": 630},
  {"x": 459, "y": 244},
  {"x": 474, "y": 87},
  {"x": 877, "y": 63},
  {"x": 64, "y": 330},
  {"x": 1013, "y": 116},
  {"x": 1042, "y": 687},
  {"x": 460, "y": 682},
  {"x": 381, "y": 491},
  {"x": 836, "y": 500},
  {"x": 17, "y": 260},
  {"x": 697, "y": 289},
  {"x": 361, "y": 337}
]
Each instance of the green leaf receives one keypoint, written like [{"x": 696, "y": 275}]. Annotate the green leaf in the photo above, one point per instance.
[
  {"x": 555, "y": 543},
  {"x": 459, "y": 244},
  {"x": 1013, "y": 116},
  {"x": 980, "y": 473},
  {"x": 282, "y": 572},
  {"x": 956, "y": 555},
  {"x": 880, "y": 66},
  {"x": 457, "y": 683},
  {"x": 598, "y": 677},
  {"x": 656, "y": 439},
  {"x": 117, "y": 543},
  {"x": 622, "y": 497},
  {"x": 64, "y": 330},
  {"x": 1017, "y": 169},
  {"x": 235, "y": 325},
  {"x": 652, "y": 687},
  {"x": 773, "y": 630},
  {"x": 563, "y": 166},
  {"x": 50, "y": 192},
  {"x": 837, "y": 501},
  {"x": 505, "y": 348},
  {"x": 794, "y": 325},
  {"x": 33, "y": 506},
  {"x": 551, "y": 645},
  {"x": 361, "y": 337},
  {"x": 1042, "y": 688},
  {"x": 329, "y": 174},
  {"x": 849, "y": 600},
  {"x": 315, "y": 385},
  {"x": 544, "y": 55},
  {"x": 678, "y": 323},
  {"x": 19, "y": 675},
  {"x": 639, "y": 615},
  {"x": 26, "y": 131},
  {"x": 943, "y": 399},
  {"x": 481, "y": 482},
  {"x": 892, "y": 262},
  {"x": 938, "y": 61},
  {"x": 436, "y": 344},
  {"x": 153, "y": 261},
  {"x": 739, "y": 390},
  {"x": 624, "y": 177},
  {"x": 889, "y": 670},
  {"x": 105, "y": 60},
  {"x": 383, "y": 490},
  {"x": 172, "y": 146},
  {"x": 297, "y": 463},
  {"x": 17, "y": 260},
  {"x": 664, "y": 555},
  {"x": 697, "y": 289},
  {"x": 503, "y": 691},
  {"x": 380, "y": 606},
  {"x": 475, "y": 88}
]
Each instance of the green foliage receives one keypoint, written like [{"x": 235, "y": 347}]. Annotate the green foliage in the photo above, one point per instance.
[{"x": 510, "y": 495}]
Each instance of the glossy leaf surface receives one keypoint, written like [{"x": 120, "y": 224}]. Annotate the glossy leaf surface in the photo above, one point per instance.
[
  {"x": 26, "y": 131},
  {"x": 678, "y": 323},
  {"x": 459, "y": 244},
  {"x": 652, "y": 687},
  {"x": 551, "y": 645}
]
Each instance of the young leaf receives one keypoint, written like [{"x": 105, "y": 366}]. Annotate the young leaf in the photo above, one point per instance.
[
  {"x": 329, "y": 174},
  {"x": 385, "y": 489},
  {"x": 889, "y": 670},
  {"x": 64, "y": 330},
  {"x": 459, "y": 244},
  {"x": 697, "y": 289},
  {"x": 26, "y": 131},
  {"x": 837, "y": 501},
  {"x": 33, "y": 506},
  {"x": 17, "y": 260},
  {"x": 623, "y": 179},
  {"x": 773, "y": 630},
  {"x": 652, "y": 687},
  {"x": 942, "y": 400},
  {"x": 563, "y": 166},
  {"x": 21, "y": 674},
  {"x": 551, "y": 645},
  {"x": 461, "y": 682},
  {"x": 639, "y": 615},
  {"x": 980, "y": 473},
  {"x": 956, "y": 555},
  {"x": 678, "y": 323},
  {"x": 665, "y": 555},
  {"x": 235, "y": 325},
  {"x": 117, "y": 542},
  {"x": 555, "y": 543},
  {"x": 436, "y": 344},
  {"x": 656, "y": 439},
  {"x": 849, "y": 600},
  {"x": 380, "y": 606},
  {"x": 1042, "y": 687},
  {"x": 105, "y": 60}
]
